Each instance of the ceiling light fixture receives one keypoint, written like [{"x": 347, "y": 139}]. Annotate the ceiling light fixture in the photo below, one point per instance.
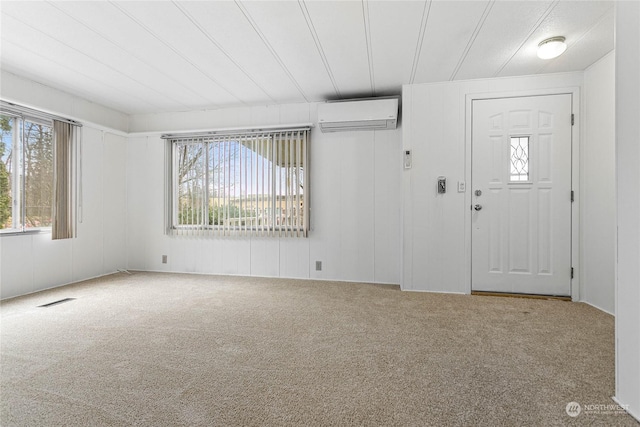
[{"x": 551, "y": 48}]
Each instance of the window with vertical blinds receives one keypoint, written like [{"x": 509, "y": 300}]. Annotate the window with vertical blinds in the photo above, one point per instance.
[{"x": 245, "y": 183}]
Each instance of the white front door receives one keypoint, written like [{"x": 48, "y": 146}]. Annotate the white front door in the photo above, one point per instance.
[{"x": 521, "y": 195}]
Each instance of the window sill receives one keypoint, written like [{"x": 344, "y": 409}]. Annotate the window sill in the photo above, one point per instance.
[{"x": 26, "y": 232}]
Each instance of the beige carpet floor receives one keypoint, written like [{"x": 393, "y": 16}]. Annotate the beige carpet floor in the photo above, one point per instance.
[{"x": 151, "y": 349}]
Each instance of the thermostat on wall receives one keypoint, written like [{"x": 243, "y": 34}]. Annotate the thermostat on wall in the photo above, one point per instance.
[{"x": 407, "y": 159}]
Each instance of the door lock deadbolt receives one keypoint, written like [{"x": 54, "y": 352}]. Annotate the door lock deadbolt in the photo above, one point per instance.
[
  {"x": 478, "y": 193},
  {"x": 442, "y": 185}
]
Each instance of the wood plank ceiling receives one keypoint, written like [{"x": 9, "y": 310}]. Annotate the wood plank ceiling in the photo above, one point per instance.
[{"x": 162, "y": 56}]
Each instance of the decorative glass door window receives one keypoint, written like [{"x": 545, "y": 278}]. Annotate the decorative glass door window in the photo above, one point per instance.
[{"x": 519, "y": 159}]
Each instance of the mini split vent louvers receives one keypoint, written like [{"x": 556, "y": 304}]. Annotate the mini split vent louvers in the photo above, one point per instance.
[{"x": 369, "y": 114}]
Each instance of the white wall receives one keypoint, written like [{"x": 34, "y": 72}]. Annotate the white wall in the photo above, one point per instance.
[
  {"x": 435, "y": 227},
  {"x": 355, "y": 204},
  {"x": 44, "y": 98},
  {"x": 598, "y": 187},
  {"x": 628, "y": 186},
  {"x": 33, "y": 262}
]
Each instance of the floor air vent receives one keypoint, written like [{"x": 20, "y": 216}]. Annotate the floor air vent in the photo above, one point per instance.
[{"x": 50, "y": 304}]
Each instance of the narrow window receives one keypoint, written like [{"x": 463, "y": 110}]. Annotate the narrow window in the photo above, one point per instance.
[
  {"x": 38, "y": 174},
  {"x": 26, "y": 174},
  {"x": 8, "y": 167},
  {"x": 37, "y": 185},
  {"x": 519, "y": 159}
]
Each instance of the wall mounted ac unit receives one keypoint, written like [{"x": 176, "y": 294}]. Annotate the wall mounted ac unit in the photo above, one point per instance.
[{"x": 369, "y": 114}]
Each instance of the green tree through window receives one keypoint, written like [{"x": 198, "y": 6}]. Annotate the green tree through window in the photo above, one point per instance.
[
  {"x": 26, "y": 174},
  {"x": 5, "y": 188},
  {"x": 247, "y": 183},
  {"x": 38, "y": 175}
]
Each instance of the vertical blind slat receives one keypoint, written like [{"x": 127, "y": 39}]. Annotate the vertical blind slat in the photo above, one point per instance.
[
  {"x": 251, "y": 177},
  {"x": 270, "y": 200},
  {"x": 243, "y": 213},
  {"x": 217, "y": 195},
  {"x": 301, "y": 183},
  {"x": 288, "y": 167},
  {"x": 297, "y": 171},
  {"x": 292, "y": 189},
  {"x": 262, "y": 150},
  {"x": 291, "y": 185},
  {"x": 234, "y": 185},
  {"x": 243, "y": 190},
  {"x": 278, "y": 183},
  {"x": 225, "y": 188},
  {"x": 307, "y": 208}
]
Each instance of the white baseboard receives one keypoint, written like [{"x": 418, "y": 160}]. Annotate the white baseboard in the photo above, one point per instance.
[{"x": 634, "y": 415}]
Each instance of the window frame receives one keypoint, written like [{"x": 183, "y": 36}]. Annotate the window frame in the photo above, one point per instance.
[
  {"x": 18, "y": 173},
  {"x": 26, "y": 114},
  {"x": 529, "y": 179},
  {"x": 242, "y": 136}
]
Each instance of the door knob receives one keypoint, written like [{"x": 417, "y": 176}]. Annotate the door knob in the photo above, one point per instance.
[{"x": 477, "y": 207}]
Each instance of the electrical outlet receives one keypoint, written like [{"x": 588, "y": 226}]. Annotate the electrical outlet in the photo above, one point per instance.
[
  {"x": 318, "y": 265},
  {"x": 462, "y": 186},
  {"x": 164, "y": 259}
]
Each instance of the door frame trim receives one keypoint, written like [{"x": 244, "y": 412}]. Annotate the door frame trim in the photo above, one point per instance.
[{"x": 574, "y": 91}]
